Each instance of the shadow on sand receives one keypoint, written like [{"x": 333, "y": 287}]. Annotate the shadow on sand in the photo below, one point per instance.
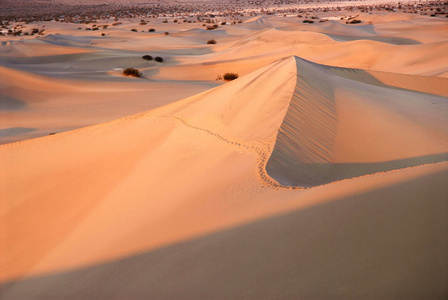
[{"x": 389, "y": 243}]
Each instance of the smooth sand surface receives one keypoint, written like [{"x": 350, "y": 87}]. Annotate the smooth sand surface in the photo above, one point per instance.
[{"x": 320, "y": 173}]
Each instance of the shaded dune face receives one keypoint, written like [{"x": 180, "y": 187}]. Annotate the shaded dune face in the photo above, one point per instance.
[
  {"x": 337, "y": 127},
  {"x": 303, "y": 149}
]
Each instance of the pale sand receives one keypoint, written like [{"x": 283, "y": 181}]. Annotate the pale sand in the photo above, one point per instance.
[{"x": 297, "y": 180}]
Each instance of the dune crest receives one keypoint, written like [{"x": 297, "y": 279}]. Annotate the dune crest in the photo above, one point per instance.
[{"x": 337, "y": 126}]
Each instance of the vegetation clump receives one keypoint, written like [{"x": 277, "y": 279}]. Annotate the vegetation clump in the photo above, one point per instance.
[
  {"x": 151, "y": 30},
  {"x": 211, "y": 42},
  {"x": 212, "y": 27},
  {"x": 158, "y": 59},
  {"x": 132, "y": 72},
  {"x": 147, "y": 57},
  {"x": 230, "y": 76}
]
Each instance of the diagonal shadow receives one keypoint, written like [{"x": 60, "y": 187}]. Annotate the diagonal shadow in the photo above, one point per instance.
[
  {"x": 383, "y": 39},
  {"x": 11, "y": 131},
  {"x": 8, "y": 103},
  {"x": 299, "y": 175},
  {"x": 389, "y": 243}
]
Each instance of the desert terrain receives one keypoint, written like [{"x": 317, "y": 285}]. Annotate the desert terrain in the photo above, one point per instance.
[{"x": 320, "y": 172}]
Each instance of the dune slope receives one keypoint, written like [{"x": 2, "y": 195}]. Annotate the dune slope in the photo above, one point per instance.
[
  {"x": 336, "y": 127},
  {"x": 194, "y": 199}
]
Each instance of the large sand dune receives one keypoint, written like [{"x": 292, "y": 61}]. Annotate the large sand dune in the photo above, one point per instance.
[
  {"x": 71, "y": 77},
  {"x": 177, "y": 203},
  {"x": 320, "y": 173}
]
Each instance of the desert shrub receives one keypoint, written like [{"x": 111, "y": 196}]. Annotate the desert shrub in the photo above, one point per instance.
[
  {"x": 308, "y": 21},
  {"x": 152, "y": 30},
  {"x": 147, "y": 57},
  {"x": 354, "y": 21},
  {"x": 211, "y": 42},
  {"x": 158, "y": 59},
  {"x": 95, "y": 28},
  {"x": 132, "y": 72},
  {"x": 230, "y": 76},
  {"x": 165, "y": 21},
  {"x": 223, "y": 23},
  {"x": 166, "y": 33},
  {"x": 103, "y": 34},
  {"x": 133, "y": 29},
  {"x": 212, "y": 27}
]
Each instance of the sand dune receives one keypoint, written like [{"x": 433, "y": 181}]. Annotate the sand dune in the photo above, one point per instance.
[
  {"x": 196, "y": 168},
  {"x": 320, "y": 173},
  {"x": 318, "y": 144},
  {"x": 397, "y": 43}
]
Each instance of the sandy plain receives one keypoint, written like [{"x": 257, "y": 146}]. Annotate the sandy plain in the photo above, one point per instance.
[{"x": 320, "y": 173}]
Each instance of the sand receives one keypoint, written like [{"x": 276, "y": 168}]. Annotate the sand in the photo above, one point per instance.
[{"x": 319, "y": 173}]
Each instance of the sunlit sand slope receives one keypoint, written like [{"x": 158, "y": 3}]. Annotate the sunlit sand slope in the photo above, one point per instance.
[{"x": 215, "y": 196}]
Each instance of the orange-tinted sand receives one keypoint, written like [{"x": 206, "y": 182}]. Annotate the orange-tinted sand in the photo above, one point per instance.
[{"x": 320, "y": 173}]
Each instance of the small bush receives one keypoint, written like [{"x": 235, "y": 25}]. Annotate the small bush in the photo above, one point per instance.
[
  {"x": 212, "y": 27},
  {"x": 353, "y": 21},
  {"x": 211, "y": 42},
  {"x": 147, "y": 57},
  {"x": 158, "y": 59},
  {"x": 230, "y": 76},
  {"x": 166, "y": 33},
  {"x": 152, "y": 30},
  {"x": 132, "y": 72},
  {"x": 133, "y": 29},
  {"x": 308, "y": 21}
]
